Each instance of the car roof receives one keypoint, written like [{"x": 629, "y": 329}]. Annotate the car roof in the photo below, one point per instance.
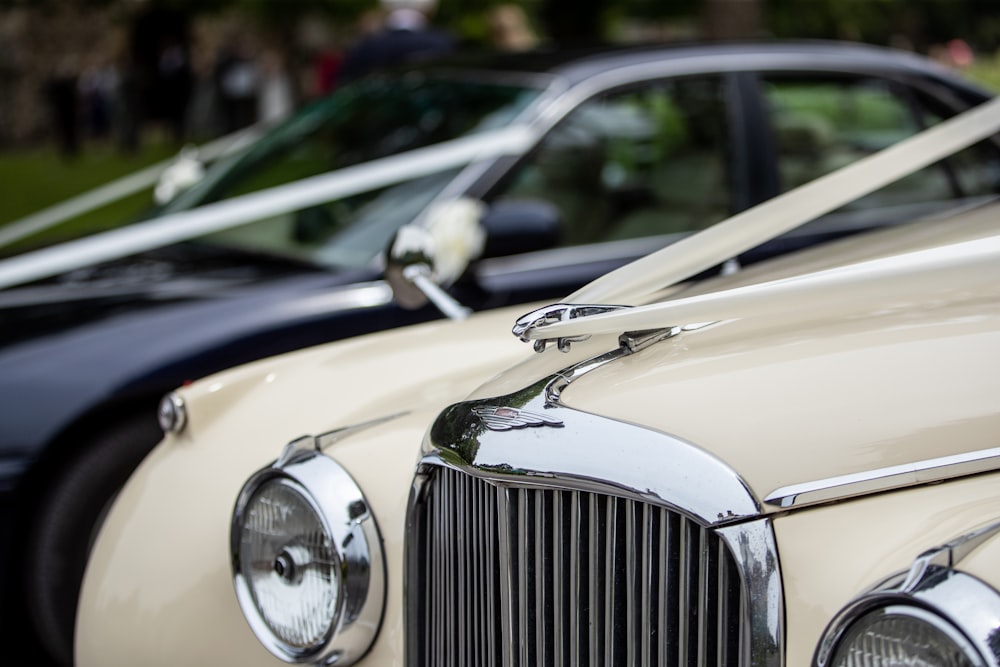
[{"x": 575, "y": 65}]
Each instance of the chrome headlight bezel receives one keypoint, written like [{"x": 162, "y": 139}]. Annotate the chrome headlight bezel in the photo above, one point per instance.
[
  {"x": 958, "y": 606},
  {"x": 341, "y": 507}
]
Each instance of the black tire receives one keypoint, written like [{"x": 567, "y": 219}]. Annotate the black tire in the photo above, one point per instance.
[{"x": 69, "y": 516}]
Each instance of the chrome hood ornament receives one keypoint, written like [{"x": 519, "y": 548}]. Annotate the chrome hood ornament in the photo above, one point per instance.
[
  {"x": 504, "y": 418},
  {"x": 721, "y": 242},
  {"x": 559, "y": 312}
]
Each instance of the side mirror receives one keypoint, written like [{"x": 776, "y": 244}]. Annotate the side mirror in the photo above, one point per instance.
[
  {"x": 521, "y": 225},
  {"x": 424, "y": 257},
  {"x": 433, "y": 252}
]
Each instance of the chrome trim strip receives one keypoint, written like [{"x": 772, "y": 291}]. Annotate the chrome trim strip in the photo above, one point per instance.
[
  {"x": 884, "y": 479},
  {"x": 756, "y": 552},
  {"x": 351, "y": 297},
  {"x": 948, "y": 555}
]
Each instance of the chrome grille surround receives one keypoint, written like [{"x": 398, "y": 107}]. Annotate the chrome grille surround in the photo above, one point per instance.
[{"x": 578, "y": 539}]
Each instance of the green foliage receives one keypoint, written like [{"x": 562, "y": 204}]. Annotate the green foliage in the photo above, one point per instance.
[
  {"x": 921, "y": 23},
  {"x": 986, "y": 72}
]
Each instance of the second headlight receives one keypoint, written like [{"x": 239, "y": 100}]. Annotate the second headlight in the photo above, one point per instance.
[{"x": 934, "y": 616}]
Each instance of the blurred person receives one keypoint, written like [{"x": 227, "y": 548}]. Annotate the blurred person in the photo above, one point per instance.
[
  {"x": 155, "y": 72},
  {"x": 510, "y": 29},
  {"x": 325, "y": 72},
  {"x": 202, "y": 114},
  {"x": 275, "y": 100},
  {"x": 960, "y": 53},
  {"x": 127, "y": 110},
  {"x": 406, "y": 35},
  {"x": 955, "y": 53},
  {"x": 61, "y": 94},
  {"x": 174, "y": 82},
  {"x": 237, "y": 82},
  {"x": 98, "y": 88}
]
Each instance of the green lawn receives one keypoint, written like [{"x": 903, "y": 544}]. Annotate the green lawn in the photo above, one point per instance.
[{"x": 38, "y": 178}]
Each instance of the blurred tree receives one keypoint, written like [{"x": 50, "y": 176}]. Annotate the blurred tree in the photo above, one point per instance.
[
  {"x": 731, "y": 19},
  {"x": 918, "y": 24}
]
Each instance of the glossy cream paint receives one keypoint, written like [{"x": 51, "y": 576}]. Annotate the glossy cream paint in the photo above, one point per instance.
[
  {"x": 158, "y": 590},
  {"x": 786, "y": 399},
  {"x": 827, "y": 387},
  {"x": 806, "y": 394}
]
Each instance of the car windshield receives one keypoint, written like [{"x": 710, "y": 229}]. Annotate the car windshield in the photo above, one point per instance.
[{"x": 366, "y": 120}]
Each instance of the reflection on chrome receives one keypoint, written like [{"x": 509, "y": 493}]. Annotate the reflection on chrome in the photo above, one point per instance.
[
  {"x": 954, "y": 612},
  {"x": 307, "y": 559},
  {"x": 588, "y": 500}
]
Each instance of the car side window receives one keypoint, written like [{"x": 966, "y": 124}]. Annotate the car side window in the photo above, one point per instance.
[
  {"x": 820, "y": 125},
  {"x": 640, "y": 162},
  {"x": 977, "y": 168}
]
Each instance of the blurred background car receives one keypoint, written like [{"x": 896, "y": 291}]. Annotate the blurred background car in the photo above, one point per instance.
[{"x": 631, "y": 149}]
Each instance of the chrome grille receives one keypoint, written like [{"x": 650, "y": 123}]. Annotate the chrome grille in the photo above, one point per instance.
[{"x": 532, "y": 576}]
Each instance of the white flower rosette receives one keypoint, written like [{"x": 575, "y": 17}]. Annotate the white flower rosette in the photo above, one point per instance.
[
  {"x": 436, "y": 252},
  {"x": 183, "y": 172},
  {"x": 457, "y": 237},
  {"x": 450, "y": 237}
]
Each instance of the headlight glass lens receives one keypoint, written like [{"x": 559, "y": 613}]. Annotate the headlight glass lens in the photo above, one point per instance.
[
  {"x": 291, "y": 565},
  {"x": 910, "y": 638}
]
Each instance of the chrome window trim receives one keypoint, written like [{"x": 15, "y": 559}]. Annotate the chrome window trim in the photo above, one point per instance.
[
  {"x": 496, "y": 268},
  {"x": 557, "y": 447},
  {"x": 708, "y": 65},
  {"x": 340, "y": 503},
  {"x": 360, "y": 296},
  {"x": 884, "y": 479}
]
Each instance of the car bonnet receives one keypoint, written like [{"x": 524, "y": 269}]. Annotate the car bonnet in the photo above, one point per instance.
[
  {"x": 891, "y": 379},
  {"x": 803, "y": 383}
]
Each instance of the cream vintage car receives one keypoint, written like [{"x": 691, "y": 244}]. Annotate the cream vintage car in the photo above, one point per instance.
[{"x": 791, "y": 464}]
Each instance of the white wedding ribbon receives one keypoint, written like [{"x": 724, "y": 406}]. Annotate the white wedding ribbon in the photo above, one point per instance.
[
  {"x": 976, "y": 263},
  {"x": 258, "y": 205},
  {"x": 118, "y": 189},
  {"x": 754, "y": 226}
]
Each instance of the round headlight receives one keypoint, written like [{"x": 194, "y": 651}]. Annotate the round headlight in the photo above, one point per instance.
[
  {"x": 933, "y": 616},
  {"x": 903, "y": 636},
  {"x": 291, "y": 566},
  {"x": 307, "y": 561}
]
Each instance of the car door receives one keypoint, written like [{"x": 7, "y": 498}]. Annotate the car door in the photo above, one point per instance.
[
  {"x": 630, "y": 170},
  {"x": 817, "y": 122},
  {"x": 635, "y": 168}
]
